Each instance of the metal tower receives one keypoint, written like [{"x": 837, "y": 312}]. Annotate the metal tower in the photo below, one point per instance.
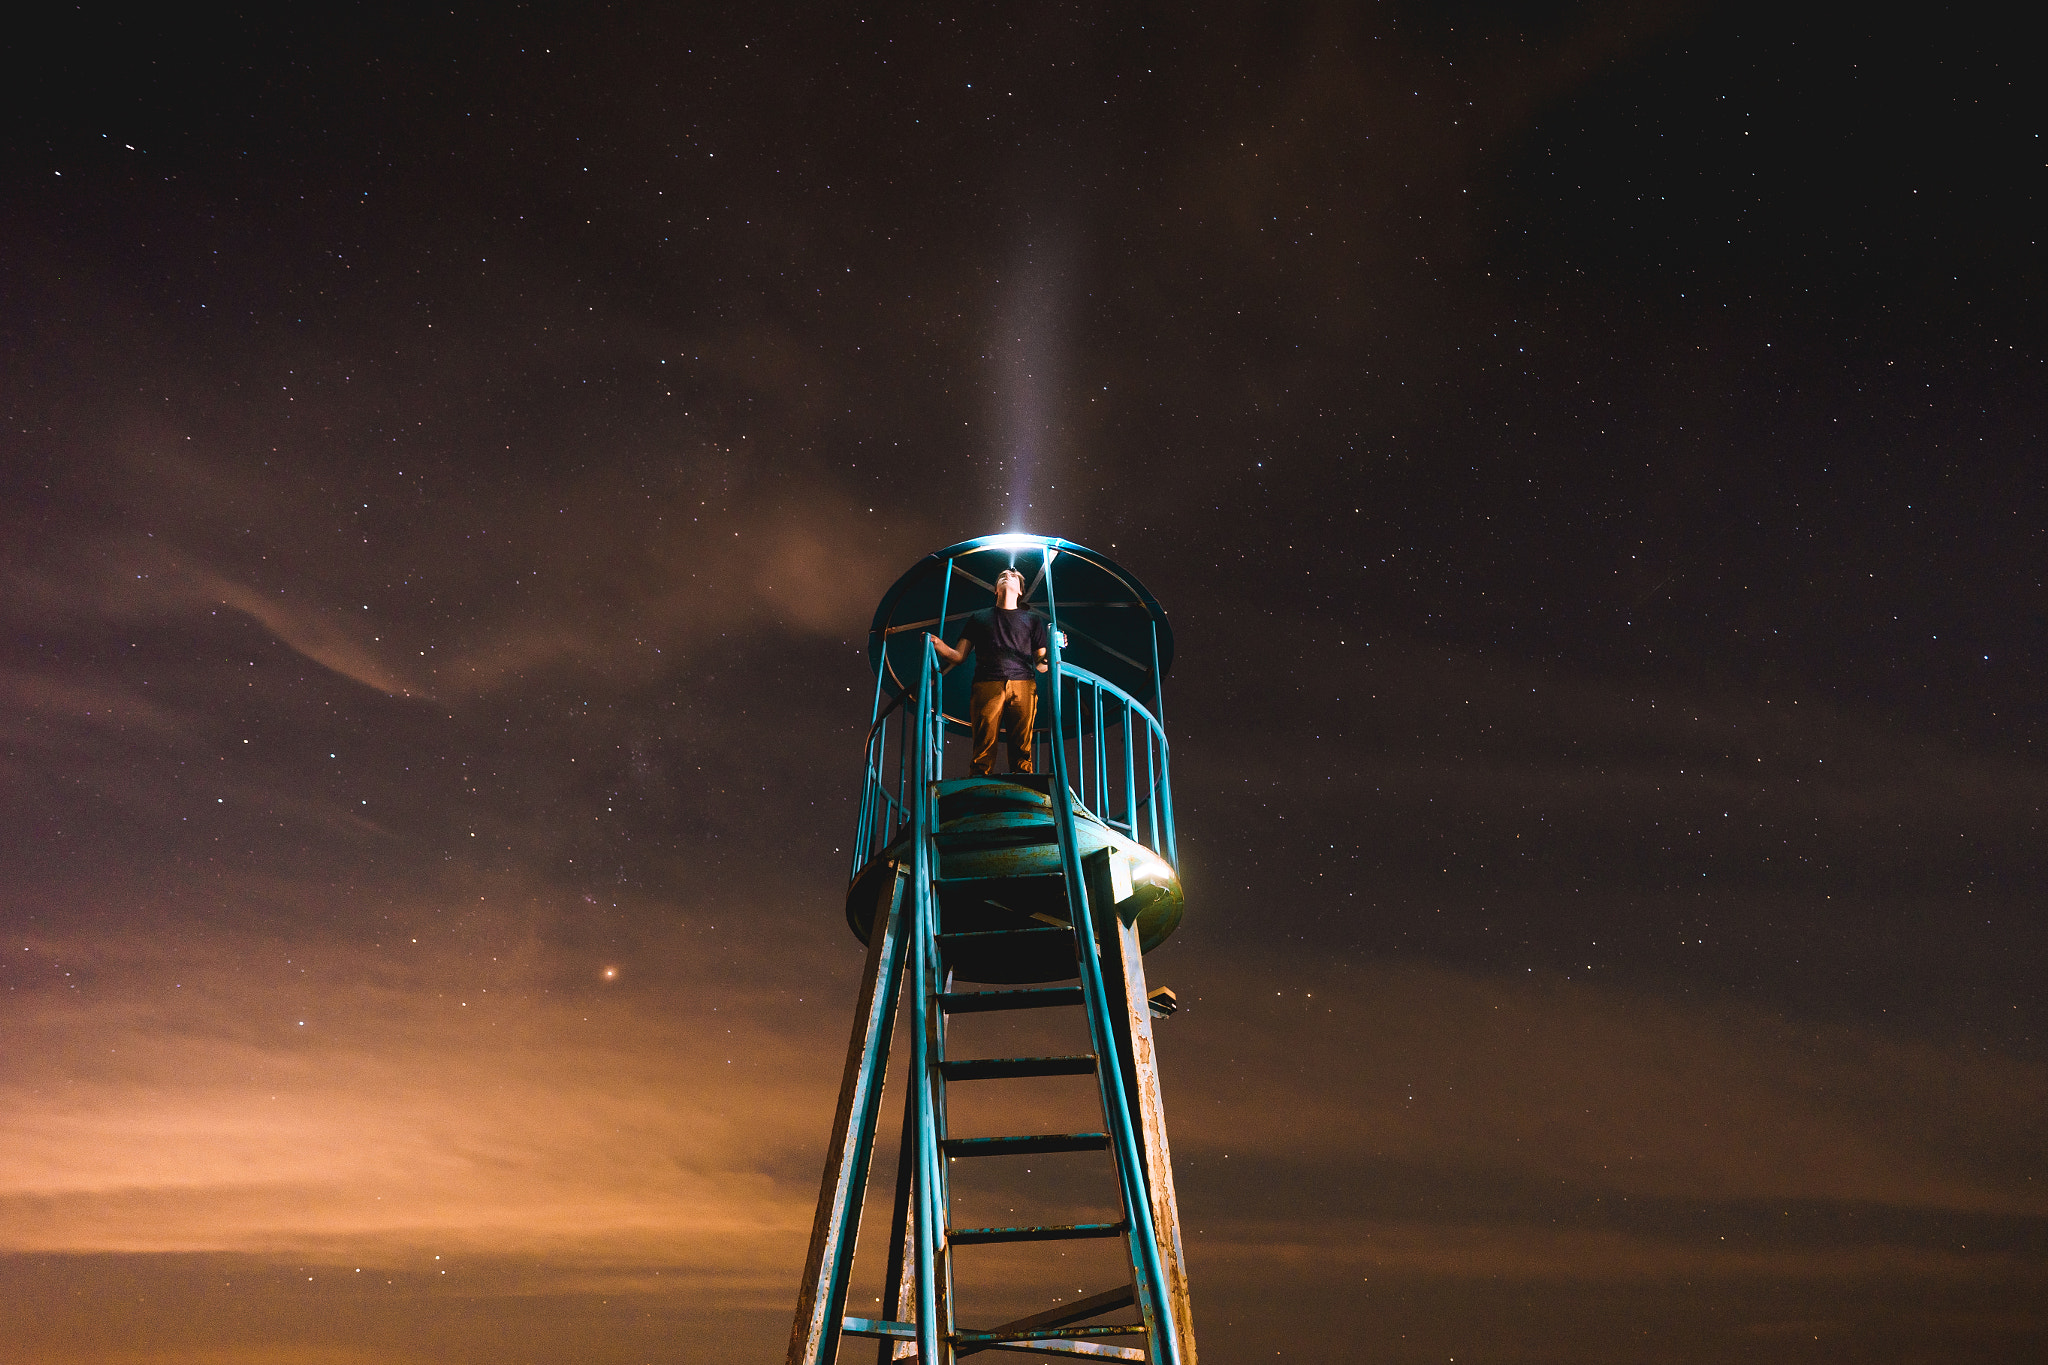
[{"x": 1024, "y": 883}]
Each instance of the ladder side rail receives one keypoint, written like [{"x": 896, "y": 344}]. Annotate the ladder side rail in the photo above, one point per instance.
[
  {"x": 1142, "y": 1240},
  {"x": 933, "y": 1331},
  {"x": 821, "y": 1303},
  {"x": 929, "y": 1217},
  {"x": 940, "y": 982}
]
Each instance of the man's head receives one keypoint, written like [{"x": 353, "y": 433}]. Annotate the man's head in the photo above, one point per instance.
[{"x": 1009, "y": 589}]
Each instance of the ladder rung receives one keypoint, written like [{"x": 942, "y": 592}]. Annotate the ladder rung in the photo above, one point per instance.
[
  {"x": 973, "y": 842},
  {"x": 879, "y": 1327},
  {"x": 1029, "y": 998},
  {"x": 1053, "y": 1333},
  {"x": 1050, "y": 1232},
  {"x": 992, "y": 880},
  {"x": 1003, "y": 933},
  {"x": 1022, "y": 1146},
  {"x": 1021, "y": 834},
  {"x": 1083, "y": 1350},
  {"x": 1002, "y": 1068}
]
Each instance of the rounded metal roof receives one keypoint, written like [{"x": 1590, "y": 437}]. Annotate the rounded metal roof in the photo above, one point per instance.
[{"x": 1111, "y": 621}]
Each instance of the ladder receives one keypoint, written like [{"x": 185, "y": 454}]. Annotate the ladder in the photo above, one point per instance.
[{"x": 908, "y": 952}]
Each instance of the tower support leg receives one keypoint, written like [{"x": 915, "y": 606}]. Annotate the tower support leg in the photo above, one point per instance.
[
  {"x": 821, "y": 1303},
  {"x": 899, "y": 1297},
  {"x": 1108, "y": 984},
  {"x": 1123, "y": 974}
]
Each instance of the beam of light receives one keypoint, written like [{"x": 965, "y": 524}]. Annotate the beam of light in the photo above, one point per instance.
[{"x": 1027, "y": 354}]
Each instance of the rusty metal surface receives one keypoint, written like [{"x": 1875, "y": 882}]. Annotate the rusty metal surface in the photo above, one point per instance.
[
  {"x": 1096, "y": 922},
  {"x": 1143, "y": 1069},
  {"x": 821, "y": 1301},
  {"x": 896, "y": 1287}
]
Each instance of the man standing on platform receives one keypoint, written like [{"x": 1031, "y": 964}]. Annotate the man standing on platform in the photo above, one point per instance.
[{"x": 1009, "y": 646}]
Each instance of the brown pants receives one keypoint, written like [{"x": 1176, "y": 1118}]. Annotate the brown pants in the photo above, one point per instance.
[{"x": 1010, "y": 707}]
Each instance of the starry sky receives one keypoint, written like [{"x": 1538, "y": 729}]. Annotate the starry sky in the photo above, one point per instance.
[{"x": 1591, "y": 456}]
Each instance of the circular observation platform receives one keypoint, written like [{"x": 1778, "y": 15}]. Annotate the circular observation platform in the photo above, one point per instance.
[{"x": 1100, "y": 707}]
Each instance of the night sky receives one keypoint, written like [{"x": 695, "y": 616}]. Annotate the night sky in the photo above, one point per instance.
[{"x": 1592, "y": 459}]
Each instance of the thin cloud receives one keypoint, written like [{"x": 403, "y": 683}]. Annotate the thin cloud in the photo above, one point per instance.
[
  {"x": 354, "y": 1109},
  {"x": 1603, "y": 1089}
]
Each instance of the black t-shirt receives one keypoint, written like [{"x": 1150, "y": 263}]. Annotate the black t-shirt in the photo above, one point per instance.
[{"x": 1006, "y": 643}]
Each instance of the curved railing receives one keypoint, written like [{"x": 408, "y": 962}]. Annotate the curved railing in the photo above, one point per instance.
[{"x": 1118, "y": 764}]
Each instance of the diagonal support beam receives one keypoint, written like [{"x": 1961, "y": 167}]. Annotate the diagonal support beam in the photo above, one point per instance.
[{"x": 1078, "y": 1311}]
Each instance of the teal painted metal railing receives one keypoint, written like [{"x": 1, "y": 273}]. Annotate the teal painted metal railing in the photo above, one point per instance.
[
  {"x": 933, "y": 1256},
  {"x": 1116, "y": 753}
]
